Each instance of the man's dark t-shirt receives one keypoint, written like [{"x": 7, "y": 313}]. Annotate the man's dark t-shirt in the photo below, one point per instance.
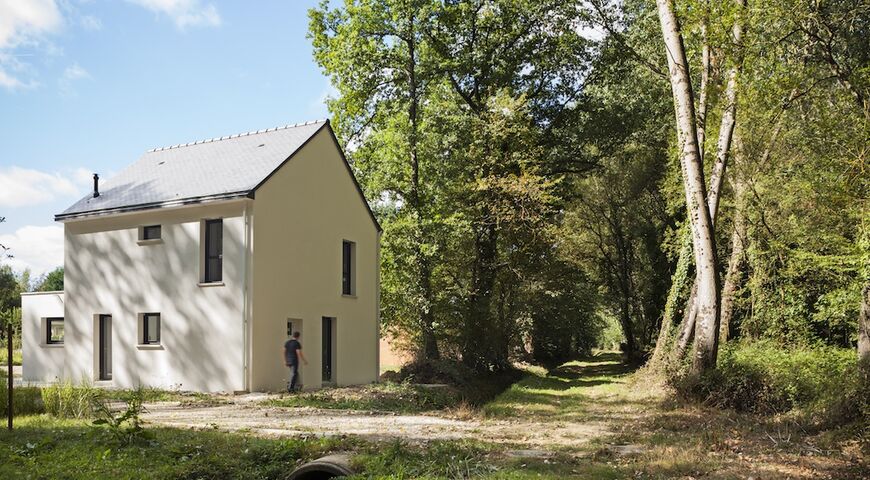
[{"x": 290, "y": 347}]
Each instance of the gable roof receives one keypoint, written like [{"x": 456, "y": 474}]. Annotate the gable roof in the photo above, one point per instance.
[{"x": 215, "y": 169}]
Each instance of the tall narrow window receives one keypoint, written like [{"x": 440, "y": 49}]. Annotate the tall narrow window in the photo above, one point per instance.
[
  {"x": 347, "y": 284},
  {"x": 214, "y": 231},
  {"x": 150, "y": 328},
  {"x": 54, "y": 331}
]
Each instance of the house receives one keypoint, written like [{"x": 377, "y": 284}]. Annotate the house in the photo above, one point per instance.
[{"x": 191, "y": 267}]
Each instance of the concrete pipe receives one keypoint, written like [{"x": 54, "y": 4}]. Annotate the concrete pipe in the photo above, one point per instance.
[{"x": 330, "y": 466}]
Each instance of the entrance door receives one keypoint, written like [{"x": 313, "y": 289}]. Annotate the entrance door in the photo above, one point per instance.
[
  {"x": 105, "y": 347},
  {"x": 327, "y": 336}
]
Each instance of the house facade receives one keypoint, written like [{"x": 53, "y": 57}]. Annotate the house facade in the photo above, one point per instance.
[{"x": 191, "y": 268}]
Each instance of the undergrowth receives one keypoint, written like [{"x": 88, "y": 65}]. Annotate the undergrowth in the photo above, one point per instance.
[{"x": 825, "y": 384}]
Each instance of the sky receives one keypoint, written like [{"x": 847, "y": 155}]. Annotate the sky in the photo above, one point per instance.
[{"x": 89, "y": 85}]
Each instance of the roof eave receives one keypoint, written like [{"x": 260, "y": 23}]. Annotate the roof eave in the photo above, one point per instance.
[{"x": 106, "y": 212}]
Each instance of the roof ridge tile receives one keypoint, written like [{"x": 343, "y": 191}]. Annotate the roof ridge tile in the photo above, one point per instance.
[{"x": 237, "y": 135}]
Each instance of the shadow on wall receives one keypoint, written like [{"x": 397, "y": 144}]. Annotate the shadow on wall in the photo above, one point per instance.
[{"x": 201, "y": 327}]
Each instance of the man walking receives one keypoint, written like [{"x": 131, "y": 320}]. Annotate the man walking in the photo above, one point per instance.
[{"x": 292, "y": 356}]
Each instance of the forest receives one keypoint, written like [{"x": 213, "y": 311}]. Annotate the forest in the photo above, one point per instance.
[{"x": 686, "y": 180}]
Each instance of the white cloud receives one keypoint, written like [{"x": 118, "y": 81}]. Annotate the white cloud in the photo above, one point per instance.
[
  {"x": 23, "y": 23},
  {"x": 71, "y": 74},
  {"x": 90, "y": 22},
  {"x": 39, "y": 248},
  {"x": 20, "y": 187},
  {"x": 75, "y": 72},
  {"x": 185, "y": 13}
]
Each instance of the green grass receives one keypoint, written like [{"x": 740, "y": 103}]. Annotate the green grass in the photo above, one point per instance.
[
  {"x": 563, "y": 393},
  {"x": 16, "y": 357},
  {"x": 44, "y": 447},
  {"x": 384, "y": 397}
]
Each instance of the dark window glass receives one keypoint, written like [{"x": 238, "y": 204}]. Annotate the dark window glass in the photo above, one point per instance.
[
  {"x": 346, "y": 266},
  {"x": 214, "y": 231},
  {"x": 326, "y": 336},
  {"x": 150, "y": 328},
  {"x": 54, "y": 330},
  {"x": 151, "y": 232}
]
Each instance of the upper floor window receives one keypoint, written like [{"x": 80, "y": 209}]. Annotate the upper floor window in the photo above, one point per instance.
[
  {"x": 348, "y": 285},
  {"x": 54, "y": 331},
  {"x": 150, "y": 232},
  {"x": 214, "y": 232}
]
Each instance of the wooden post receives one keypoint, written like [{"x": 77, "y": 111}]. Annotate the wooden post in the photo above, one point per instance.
[{"x": 9, "y": 373}]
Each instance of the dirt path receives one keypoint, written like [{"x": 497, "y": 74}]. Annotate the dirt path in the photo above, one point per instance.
[
  {"x": 594, "y": 411},
  {"x": 246, "y": 414}
]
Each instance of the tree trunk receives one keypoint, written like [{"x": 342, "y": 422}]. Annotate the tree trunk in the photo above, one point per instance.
[
  {"x": 864, "y": 328},
  {"x": 705, "y": 81},
  {"x": 703, "y": 239},
  {"x": 734, "y": 275},
  {"x": 477, "y": 351},
  {"x": 429, "y": 341}
]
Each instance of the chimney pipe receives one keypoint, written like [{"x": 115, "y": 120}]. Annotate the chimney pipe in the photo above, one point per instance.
[{"x": 96, "y": 185}]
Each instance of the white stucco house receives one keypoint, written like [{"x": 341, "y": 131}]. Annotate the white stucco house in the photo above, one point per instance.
[{"x": 191, "y": 267}]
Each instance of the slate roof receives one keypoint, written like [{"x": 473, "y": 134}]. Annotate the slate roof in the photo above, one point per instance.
[{"x": 218, "y": 168}]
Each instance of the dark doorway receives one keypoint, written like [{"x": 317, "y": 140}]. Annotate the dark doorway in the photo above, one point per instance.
[
  {"x": 327, "y": 336},
  {"x": 105, "y": 347}
]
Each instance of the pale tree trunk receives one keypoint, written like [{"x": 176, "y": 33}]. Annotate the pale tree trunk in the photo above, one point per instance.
[
  {"x": 703, "y": 239},
  {"x": 717, "y": 175},
  {"x": 705, "y": 80},
  {"x": 663, "y": 341}
]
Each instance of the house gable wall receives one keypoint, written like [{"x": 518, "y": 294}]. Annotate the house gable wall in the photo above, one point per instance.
[{"x": 303, "y": 213}]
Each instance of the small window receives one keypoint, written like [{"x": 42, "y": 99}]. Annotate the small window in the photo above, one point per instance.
[
  {"x": 150, "y": 232},
  {"x": 150, "y": 329},
  {"x": 347, "y": 268},
  {"x": 214, "y": 231},
  {"x": 54, "y": 331}
]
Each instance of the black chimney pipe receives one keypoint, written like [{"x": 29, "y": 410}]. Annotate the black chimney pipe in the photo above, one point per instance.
[{"x": 96, "y": 185}]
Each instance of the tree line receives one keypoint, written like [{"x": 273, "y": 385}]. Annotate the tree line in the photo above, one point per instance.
[{"x": 693, "y": 171}]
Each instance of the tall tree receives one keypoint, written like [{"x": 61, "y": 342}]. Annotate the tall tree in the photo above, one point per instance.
[
  {"x": 703, "y": 235},
  {"x": 382, "y": 81}
]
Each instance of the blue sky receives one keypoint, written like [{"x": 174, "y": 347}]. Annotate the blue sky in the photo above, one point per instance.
[{"x": 87, "y": 86}]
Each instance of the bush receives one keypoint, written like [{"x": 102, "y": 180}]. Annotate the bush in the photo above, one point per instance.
[
  {"x": 67, "y": 400},
  {"x": 26, "y": 400},
  {"x": 766, "y": 377},
  {"x": 124, "y": 426}
]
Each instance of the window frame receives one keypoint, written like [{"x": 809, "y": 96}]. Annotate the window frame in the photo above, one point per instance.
[
  {"x": 48, "y": 338},
  {"x": 210, "y": 276},
  {"x": 348, "y": 268},
  {"x": 145, "y": 320},
  {"x": 144, "y": 235}
]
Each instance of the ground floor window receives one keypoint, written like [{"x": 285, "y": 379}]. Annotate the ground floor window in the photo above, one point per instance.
[
  {"x": 150, "y": 329},
  {"x": 54, "y": 331}
]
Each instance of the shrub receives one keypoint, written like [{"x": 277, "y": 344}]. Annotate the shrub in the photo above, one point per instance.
[
  {"x": 26, "y": 400},
  {"x": 67, "y": 400},
  {"x": 123, "y": 426},
  {"x": 766, "y": 377}
]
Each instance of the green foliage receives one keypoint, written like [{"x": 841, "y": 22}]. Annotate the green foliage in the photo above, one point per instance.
[
  {"x": 124, "y": 426},
  {"x": 45, "y": 447},
  {"x": 51, "y": 282},
  {"x": 764, "y": 377},
  {"x": 448, "y": 460},
  {"x": 26, "y": 400},
  {"x": 385, "y": 397},
  {"x": 65, "y": 399}
]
